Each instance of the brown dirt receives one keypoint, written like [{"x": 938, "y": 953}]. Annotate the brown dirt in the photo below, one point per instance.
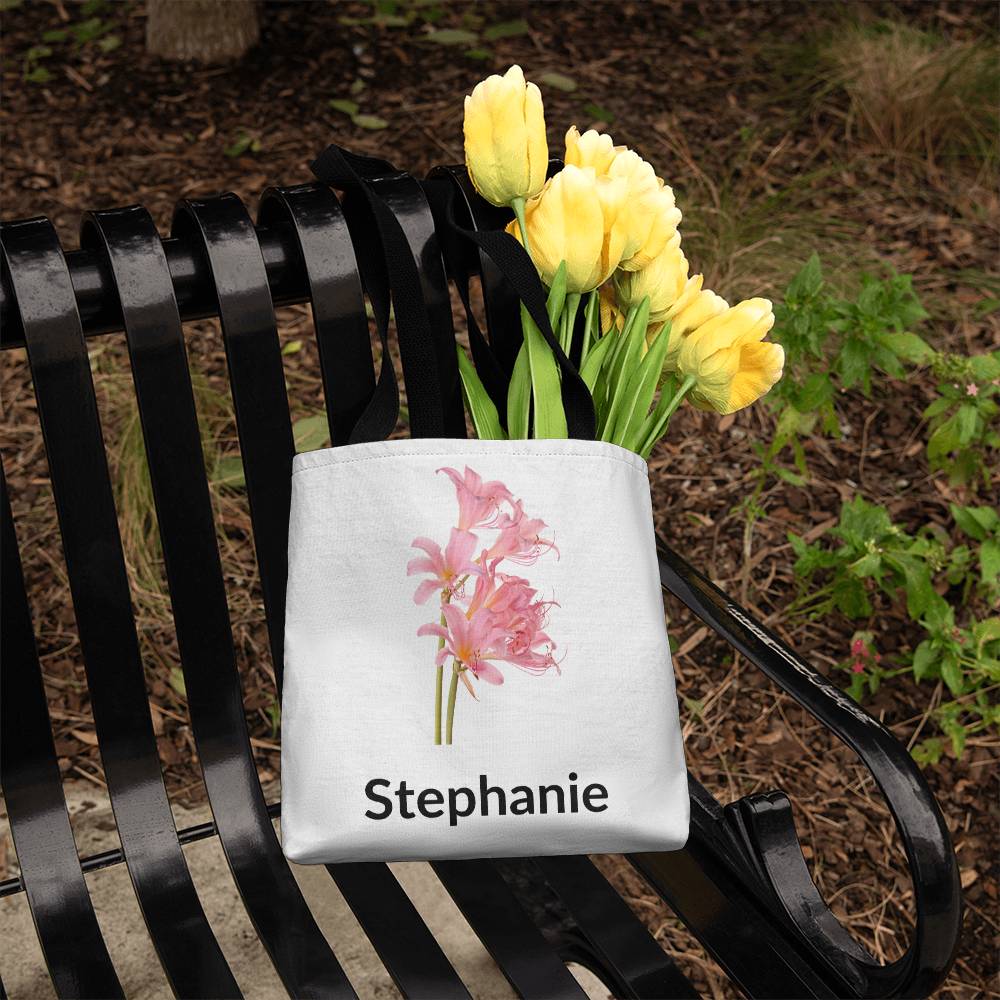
[{"x": 684, "y": 82}]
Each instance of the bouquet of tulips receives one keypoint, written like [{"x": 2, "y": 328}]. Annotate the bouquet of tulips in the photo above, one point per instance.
[{"x": 603, "y": 234}]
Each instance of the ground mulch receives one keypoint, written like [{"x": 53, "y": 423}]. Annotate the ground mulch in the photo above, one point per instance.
[{"x": 694, "y": 88}]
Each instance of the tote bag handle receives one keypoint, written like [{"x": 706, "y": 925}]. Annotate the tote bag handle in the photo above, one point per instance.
[{"x": 391, "y": 274}]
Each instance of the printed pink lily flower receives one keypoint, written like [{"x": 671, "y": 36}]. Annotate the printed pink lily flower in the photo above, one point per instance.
[
  {"x": 445, "y": 568},
  {"x": 503, "y": 620},
  {"x": 468, "y": 640},
  {"x": 478, "y": 501},
  {"x": 525, "y": 634},
  {"x": 499, "y": 593},
  {"x": 520, "y": 538}
]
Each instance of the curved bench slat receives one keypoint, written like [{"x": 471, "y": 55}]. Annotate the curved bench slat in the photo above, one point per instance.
[
  {"x": 74, "y": 950},
  {"x": 132, "y": 248},
  {"x": 81, "y": 485}
]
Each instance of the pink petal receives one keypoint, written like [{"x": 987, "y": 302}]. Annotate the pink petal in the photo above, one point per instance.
[
  {"x": 432, "y": 628},
  {"x": 428, "y": 545},
  {"x": 485, "y": 671},
  {"x": 425, "y": 590},
  {"x": 420, "y": 565}
]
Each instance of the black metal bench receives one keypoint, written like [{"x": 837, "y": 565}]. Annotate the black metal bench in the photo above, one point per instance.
[{"x": 741, "y": 885}]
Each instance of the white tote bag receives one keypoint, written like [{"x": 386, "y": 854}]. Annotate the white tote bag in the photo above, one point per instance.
[{"x": 476, "y": 662}]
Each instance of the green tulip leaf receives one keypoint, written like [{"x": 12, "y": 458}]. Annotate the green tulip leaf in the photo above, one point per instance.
[
  {"x": 546, "y": 389},
  {"x": 640, "y": 391},
  {"x": 519, "y": 396},
  {"x": 595, "y": 359},
  {"x": 481, "y": 408},
  {"x": 634, "y": 336}
]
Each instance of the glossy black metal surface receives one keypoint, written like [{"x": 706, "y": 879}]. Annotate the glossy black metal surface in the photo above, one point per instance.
[
  {"x": 924, "y": 835},
  {"x": 609, "y": 939},
  {"x": 64, "y": 918},
  {"x": 741, "y": 883},
  {"x": 97, "y": 302},
  {"x": 326, "y": 255},
  {"x": 81, "y": 485},
  {"x": 404, "y": 944},
  {"x": 257, "y": 381},
  {"x": 131, "y": 247}
]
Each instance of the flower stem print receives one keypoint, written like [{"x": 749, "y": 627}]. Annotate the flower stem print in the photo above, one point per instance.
[{"x": 487, "y": 616}]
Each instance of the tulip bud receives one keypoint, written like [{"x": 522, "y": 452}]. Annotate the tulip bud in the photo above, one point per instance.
[
  {"x": 727, "y": 359},
  {"x": 573, "y": 220},
  {"x": 506, "y": 151}
]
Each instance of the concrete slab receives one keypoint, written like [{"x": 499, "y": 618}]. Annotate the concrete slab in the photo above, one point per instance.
[{"x": 23, "y": 971}]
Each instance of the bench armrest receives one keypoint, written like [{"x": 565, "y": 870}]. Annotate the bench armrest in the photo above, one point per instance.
[{"x": 763, "y": 823}]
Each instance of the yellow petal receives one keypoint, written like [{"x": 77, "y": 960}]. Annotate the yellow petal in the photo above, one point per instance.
[
  {"x": 592, "y": 149},
  {"x": 760, "y": 368}
]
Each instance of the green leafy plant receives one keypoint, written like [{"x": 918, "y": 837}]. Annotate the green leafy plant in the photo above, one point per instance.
[
  {"x": 981, "y": 524},
  {"x": 964, "y": 432},
  {"x": 834, "y": 343},
  {"x": 918, "y": 572}
]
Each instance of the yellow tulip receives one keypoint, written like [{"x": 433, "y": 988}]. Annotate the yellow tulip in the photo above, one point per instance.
[
  {"x": 506, "y": 151},
  {"x": 727, "y": 359},
  {"x": 695, "y": 306},
  {"x": 664, "y": 280},
  {"x": 650, "y": 218},
  {"x": 573, "y": 219},
  {"x": 611, "y": 314}
]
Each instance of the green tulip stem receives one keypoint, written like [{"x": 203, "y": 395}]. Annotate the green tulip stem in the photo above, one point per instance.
[
  {"x": 685, "y": 387},
  {"x": 591, "y": 312},
  {"x": 661, "y": 427},
  {"x": 439, "y": 678},
  {"x": 518, "y": 205}
]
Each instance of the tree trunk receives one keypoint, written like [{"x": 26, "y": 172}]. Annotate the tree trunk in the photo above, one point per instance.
[{"x": 210, "y": 31}]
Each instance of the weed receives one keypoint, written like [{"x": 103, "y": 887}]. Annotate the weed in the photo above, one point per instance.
[
  {"x": 925, "y": 99},
  {"x": 964, "y": 436},
  {"x": 914, "y": 571}
]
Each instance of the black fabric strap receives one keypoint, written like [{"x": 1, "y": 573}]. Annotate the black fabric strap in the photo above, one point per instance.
[
  {"x": 519, "y": 270},
  {"x": 390, "y": 274}
]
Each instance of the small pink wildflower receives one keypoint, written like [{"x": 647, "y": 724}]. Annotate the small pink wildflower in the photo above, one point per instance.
[{"x": 972, "y": 389}]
